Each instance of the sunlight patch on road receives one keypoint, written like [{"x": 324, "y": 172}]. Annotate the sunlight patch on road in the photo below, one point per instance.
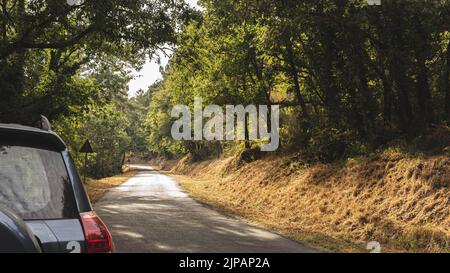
[{"x": 130, "y": 234}]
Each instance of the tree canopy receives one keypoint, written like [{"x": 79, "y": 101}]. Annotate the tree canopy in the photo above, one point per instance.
[
  {"x": 51, "y": 52},
  {"x": 350, "y": 76}
]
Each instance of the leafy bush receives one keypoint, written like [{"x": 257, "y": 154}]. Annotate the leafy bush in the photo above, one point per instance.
[
  {"x": 105, "y": 128},
  {"x": 329, "y": 144}
]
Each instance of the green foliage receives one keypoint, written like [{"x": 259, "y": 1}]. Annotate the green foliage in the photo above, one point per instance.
[
  {"x": 72, "y": 63},
  {"x": 112, "y": 133},
  {"x": 106, "y": 130},
  {"x": 328, "y": 144},
  {"x": 348, "y": 76},
  {"x": 46, "y": 48}
]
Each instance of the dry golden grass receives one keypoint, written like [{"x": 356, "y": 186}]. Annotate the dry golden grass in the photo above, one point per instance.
[
  {"x": 97, "y": 188},
  {"x": 398, "y": 200}
]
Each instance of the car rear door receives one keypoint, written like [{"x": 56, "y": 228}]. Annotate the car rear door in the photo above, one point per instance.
[{"x": 35, "y": 184}]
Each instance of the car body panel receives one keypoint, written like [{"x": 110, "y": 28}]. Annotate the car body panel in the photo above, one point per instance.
[
  {"x": 81, "y": 197},
  {"x": 69, "y": 234},
  {"x": 59, "y": 236},
  {"x": 15, "y": 235},
  {"x": 47, "y": 239}
]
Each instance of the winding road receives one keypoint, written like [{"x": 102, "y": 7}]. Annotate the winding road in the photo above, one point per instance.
[{"x": 150, "y": 213}]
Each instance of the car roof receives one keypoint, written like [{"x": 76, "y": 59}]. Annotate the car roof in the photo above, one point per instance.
[
  {"x": 36, "y": 133},
  {"x": 20, "y": 127}
]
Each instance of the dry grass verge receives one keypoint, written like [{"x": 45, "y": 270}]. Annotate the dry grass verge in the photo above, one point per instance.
[
  {"x": 398, "y": 200},
  {"x": 97, "y": 188}
]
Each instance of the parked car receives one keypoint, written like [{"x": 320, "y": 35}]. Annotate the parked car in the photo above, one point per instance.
[{"x": 43, "y": 204}]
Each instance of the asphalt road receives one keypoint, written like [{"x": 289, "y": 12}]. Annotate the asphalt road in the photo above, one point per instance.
[{"x": 150, "y": 213}]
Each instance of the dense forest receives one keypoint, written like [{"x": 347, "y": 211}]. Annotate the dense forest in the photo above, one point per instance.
[{"x": 349, "y": 77}]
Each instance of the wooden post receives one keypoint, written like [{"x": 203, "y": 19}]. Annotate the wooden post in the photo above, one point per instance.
[
  {"x": 85, "y": 166},
  {"x": 86, "y": 149}
]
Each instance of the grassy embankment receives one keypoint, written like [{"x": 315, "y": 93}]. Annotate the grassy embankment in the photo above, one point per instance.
[
  {"x": 399, "y": 200},
  {"x": 96, "y": 188}
]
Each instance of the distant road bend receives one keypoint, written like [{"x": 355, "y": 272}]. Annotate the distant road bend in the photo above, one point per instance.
[{"x": 150, "y": 213}]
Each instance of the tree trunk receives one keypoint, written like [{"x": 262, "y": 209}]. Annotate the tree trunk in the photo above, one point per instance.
[
  {"x": 387, "y": 99},
  {"x": 423, "y": 88},
  {"x": 423, "y": 92},
  {"x": 403, "y": 101},
  {"x": 246, "y": 122},
  {"x": 367, "y": 98},
  {"x": 294, "y": 74},
  {"x": 397, "y": 68},
  {"x": 447, "y": 84},
  {"x": 327, "y": 81},
  {"x": 264, "y": 90},
  {"x": 246, "y": 132}
]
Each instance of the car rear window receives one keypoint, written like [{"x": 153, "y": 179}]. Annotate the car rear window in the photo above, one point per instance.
[{"x": 34, "y": 183}]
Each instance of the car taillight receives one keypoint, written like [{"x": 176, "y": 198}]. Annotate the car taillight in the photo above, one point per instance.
[{"x": 97, "y": 237}]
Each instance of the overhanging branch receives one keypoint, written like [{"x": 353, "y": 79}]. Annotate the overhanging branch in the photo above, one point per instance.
[{"x": 16, "y": 46}]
